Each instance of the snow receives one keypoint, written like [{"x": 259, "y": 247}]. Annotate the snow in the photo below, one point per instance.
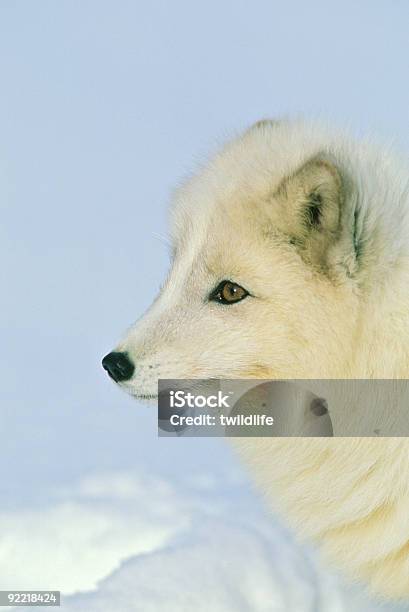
[{"x": 133, "y": 542}]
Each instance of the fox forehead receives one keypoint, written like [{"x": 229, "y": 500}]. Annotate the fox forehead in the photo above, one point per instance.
[{"x": 226, "y": 244}]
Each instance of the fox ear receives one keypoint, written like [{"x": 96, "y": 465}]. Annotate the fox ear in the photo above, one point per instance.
[
  {"x": 313, "y": 213},
  {"x": 262, "y": 124}
]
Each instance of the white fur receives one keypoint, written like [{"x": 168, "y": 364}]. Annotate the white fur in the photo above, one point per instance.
[{"x": 347, "y": 319}]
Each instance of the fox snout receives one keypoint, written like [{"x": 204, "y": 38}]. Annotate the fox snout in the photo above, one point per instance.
[{"x": 119, "y": 366}]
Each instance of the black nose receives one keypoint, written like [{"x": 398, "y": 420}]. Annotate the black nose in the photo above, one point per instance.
[{"x": 118, "y": 366}]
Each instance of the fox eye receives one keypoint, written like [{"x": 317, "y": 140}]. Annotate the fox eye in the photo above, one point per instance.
[{"x": 228, "y": 292}]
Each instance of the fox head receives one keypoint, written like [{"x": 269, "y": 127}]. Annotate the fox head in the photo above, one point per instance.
[{"x": 264, "y": 279}]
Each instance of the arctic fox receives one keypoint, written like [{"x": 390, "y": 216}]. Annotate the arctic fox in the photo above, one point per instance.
[{"x": 291, "y": 260}]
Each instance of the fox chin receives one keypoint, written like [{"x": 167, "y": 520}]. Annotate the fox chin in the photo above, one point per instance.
[{"x": 291, "y": 260}]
